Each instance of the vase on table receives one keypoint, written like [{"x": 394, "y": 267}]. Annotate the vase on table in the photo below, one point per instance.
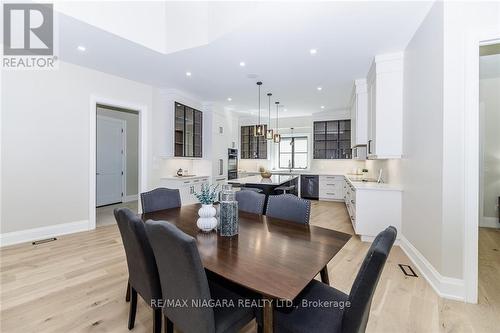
[
  {"x": 207, "y": 221},
  {"x": 228, "y": 212}
]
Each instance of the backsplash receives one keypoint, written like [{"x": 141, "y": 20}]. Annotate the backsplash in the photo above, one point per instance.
[
  {"x": 199, "y": 167},
  {"x": 390, "y": 170}
]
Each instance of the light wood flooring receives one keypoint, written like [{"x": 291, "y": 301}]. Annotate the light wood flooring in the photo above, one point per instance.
[{"x": 77, "y": 284}]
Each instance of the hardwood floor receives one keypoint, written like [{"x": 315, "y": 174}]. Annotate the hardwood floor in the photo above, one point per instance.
[{"x": 77, "y": 284}]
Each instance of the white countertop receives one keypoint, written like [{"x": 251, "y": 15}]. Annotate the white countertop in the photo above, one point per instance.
[
  {"x": 184, "y": 178},
  {"x": 275, "y": 180},
  {"x": 355, "y": 180}
]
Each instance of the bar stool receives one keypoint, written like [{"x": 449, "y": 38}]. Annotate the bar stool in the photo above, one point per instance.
[{"x": 285, "y": 188}]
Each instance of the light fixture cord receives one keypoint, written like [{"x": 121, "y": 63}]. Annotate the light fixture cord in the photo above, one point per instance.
[
  {"x": 259, "y": 104},
  {"x": 269, "y": 110}
]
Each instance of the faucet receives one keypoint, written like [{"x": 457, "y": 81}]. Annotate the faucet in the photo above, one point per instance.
[
  {"x": 379, "y": 179},
  {"x": 289, "y": 166}
]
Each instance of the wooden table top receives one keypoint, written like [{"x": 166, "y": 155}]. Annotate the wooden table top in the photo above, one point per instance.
[{"x": 273, "y": 257}]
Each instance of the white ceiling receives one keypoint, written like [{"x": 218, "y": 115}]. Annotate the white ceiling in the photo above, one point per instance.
[{"x": 275, "y": 46}]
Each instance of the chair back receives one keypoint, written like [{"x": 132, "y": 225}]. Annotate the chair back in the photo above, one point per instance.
[
  {"x": 142, "y": 270},
  {"x": 289, "y": 207},
  {"x": 182, "y": 278},
  {"x": 160, "y": 198},
  {"x": 250, "y": 201},
  {"x": 356, "y": 316}
]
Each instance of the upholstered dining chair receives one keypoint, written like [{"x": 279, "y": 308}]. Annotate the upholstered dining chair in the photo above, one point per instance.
[
  {"x": 160, "y": 198},
  {"x": 183, "y": 277},
  {"x": 250, "y": 201},
  {"x": 289, "y": 207},
  {"x": 143, "y": 275},
  {"x": 346, "y": 313}
]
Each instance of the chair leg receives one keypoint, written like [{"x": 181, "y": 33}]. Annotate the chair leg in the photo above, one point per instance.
[
  {"x": 127, "y": 295},
  {"x": 324, "y": 276},
  {"x": 133, "y": 308},
  {"x": 169, "y": 326},
  {"x": 156, "y": 320},
  {"x": 260, "y": 329}
]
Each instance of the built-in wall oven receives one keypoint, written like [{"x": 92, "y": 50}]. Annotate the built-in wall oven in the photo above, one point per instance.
[{"x": 232, "y": 163}]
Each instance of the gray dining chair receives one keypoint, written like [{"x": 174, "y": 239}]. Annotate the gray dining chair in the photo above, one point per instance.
[
  {"x": 250, "y": 201},
  {"x": 159, "y": 199},
  {"x": 143, "y": 274},
  {"x": 182, "y": 277},
  {"x": 353, "y": 310},
  {"x": 289, "y": 207}
]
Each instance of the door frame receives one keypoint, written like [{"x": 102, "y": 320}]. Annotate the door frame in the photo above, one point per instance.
[
  {"x": 123, "y": 124},
  {"x": 473, "y": 40},
  {"x": 142, "y": 153}
]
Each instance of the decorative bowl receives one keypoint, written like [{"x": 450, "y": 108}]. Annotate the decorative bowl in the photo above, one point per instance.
[{"x": 266, "y": 174}]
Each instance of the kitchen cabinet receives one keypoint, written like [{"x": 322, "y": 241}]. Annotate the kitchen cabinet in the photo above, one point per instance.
[
  {"x": 332, "y": 139},
  {"x": 359, "y": 114},
  {"x": 252, "y": 147},
  {"x": 331, "y": 188},
  {"x": 188, "y": 131},
  {"x": 371, "y": 209},
  {"x": 187, "y": 186},
  {"x": 385, "y": 107}
]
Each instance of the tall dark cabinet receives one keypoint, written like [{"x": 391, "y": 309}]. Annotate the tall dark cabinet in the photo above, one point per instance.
[
  {"x": 188, "y": 131},
  {"x": 253, "y": 147},
  {"x": 332, "y": 139}
]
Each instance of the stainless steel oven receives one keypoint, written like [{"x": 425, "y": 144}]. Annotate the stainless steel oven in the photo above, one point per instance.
[{"x": 232, "y": 163}]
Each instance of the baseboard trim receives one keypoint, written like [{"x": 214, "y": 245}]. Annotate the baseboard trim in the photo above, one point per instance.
[
  {"x": 445, "y": 287},
  {"x": 129, "y": 198},
  {"x": 489, "y": 222},
  {"x": 29, "y": 235}
]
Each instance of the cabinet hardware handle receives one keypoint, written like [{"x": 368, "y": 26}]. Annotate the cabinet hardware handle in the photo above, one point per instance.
[
  {"x": 186, "y": 182},
  {"x": 369, "y": 146},
  {"x": 352, "y": 201}
]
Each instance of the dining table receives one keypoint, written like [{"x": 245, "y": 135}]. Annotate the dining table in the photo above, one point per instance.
[{"x": 272, "y": 257}]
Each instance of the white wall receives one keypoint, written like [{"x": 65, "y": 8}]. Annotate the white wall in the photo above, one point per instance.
[
  {"x": 489, "y": 97},
  {"x": 422, "y": 166},
  {"x": 45, "y": 142},
  {"x": 131, "y": 149}
]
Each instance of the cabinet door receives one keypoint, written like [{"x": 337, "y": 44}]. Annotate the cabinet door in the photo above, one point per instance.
[
  {"x": 189, "y": 132},
  {"x": 197, "y": 141},
  {"x": 372, "y": 90},
  {"x": 179, "y": 130}
]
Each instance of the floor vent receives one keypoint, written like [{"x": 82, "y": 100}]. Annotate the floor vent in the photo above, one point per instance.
[
  {"x": 42, "y": 241},
  {"x": 407, "y": 270}
]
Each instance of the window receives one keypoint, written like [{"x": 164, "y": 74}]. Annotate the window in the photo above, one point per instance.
[{"x": 293, "y": 153}]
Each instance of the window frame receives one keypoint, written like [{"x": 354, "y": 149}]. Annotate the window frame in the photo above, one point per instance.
[{"x": 307, "y": 152}]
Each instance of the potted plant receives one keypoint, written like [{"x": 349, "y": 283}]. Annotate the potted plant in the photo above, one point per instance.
[{"x": 207, "y": 212}]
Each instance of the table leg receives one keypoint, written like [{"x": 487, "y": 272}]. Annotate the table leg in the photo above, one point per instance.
[
  {"x": 324, "y": 276},
  {"x": 268, "y": 315}
]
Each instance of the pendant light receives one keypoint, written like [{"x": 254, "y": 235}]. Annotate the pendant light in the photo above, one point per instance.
[
  {"x": 270, "y": 131},
  {"x": 292, "y": 142},
  {"x": 277, "y": 136},
  {"x": 259, "y": 128}
]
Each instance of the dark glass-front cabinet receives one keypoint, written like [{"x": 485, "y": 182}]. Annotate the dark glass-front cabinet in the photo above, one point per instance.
[
  {"x": 332, "y": 139},
  {"x": 188, "y": 131},
  {"x": 253, "y": 147}
]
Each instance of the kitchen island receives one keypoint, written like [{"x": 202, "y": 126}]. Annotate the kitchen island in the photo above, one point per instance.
[{"x": 267, "y": 185}]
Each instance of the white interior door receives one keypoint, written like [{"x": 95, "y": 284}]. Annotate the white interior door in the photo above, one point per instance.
[{"x": 110, "y": 150}]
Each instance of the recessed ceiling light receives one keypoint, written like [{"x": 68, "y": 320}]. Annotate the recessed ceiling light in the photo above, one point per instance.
[
  {"x": 313, "y": 51},
  {"x": 242, "y": 64},
  {"x": 322, "y": 106},
  {"x": 81, "y": 48},
  {"x": 319, "y": 88},
  {"x": 229, "y": 99},
  {"x": 285, "y": 109},
  {"x": 188, "y": 73}
]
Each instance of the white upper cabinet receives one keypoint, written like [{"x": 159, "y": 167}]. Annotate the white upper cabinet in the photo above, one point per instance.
[
  {"x": 385, "y": 107},
  {"x": 359, "y": 114}
]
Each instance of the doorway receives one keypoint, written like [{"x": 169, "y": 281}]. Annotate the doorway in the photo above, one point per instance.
[
  {"x": 489, "y": 174},
  {"x": 117, "y": 161}
]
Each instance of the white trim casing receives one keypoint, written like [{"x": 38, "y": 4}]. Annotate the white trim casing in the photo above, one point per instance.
[
  {"x": 142, "y": 168},
  {"x": 29, "y": 235},
  {"x": 445, "y": 287}
]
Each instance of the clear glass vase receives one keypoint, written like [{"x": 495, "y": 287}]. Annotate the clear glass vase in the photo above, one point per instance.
[{"x": 228, "y": 213}]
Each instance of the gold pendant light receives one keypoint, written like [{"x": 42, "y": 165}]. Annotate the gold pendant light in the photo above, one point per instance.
[
  {"x": 270, "y": 131},
  {"x": 259, "y": 128},
  {"x": 277, "y": 136}
]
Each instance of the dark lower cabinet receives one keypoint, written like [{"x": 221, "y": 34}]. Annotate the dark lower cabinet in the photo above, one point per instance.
[{"x": 188, "y": 137}]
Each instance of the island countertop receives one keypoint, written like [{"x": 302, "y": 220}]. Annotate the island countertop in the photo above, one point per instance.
[{"x": 275, "y": 180}]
